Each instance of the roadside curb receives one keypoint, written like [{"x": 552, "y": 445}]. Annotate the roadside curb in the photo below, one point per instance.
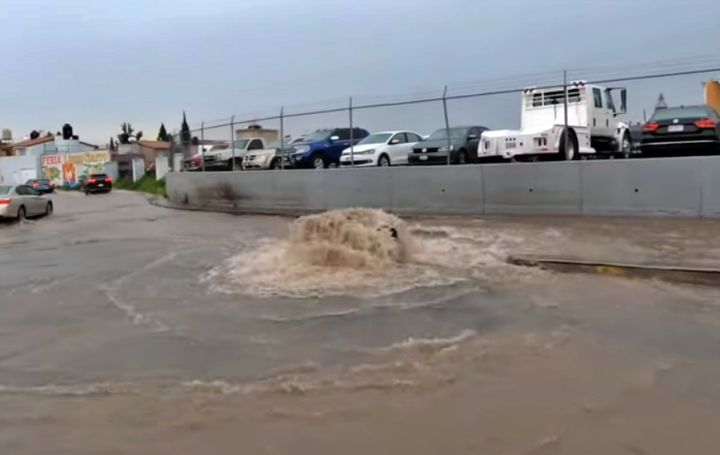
[{"x": 687, "y": 275}]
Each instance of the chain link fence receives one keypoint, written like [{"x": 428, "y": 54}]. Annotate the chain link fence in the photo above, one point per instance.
[{"x": 491, "y": 103}]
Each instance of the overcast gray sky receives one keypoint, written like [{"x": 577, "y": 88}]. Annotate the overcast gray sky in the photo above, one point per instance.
[{"x": 96, "y": 64}]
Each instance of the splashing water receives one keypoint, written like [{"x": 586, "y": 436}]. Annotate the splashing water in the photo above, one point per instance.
[
  {"x": 352, "y": 238},
  {"x": 358, "y": 252}
]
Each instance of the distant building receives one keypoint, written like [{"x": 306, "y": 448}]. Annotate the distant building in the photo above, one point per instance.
[
  {"x": 661, "y": 104},
  {"x": 148, "y": 151},
  {"x": 49, "y": 145},
  {"x": 254, "y": 130}
]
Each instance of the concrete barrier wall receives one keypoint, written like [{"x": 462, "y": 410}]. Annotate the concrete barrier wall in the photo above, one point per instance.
[{"x": 688, "y": 187}]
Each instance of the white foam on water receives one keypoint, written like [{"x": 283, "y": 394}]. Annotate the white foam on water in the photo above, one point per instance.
[
  {"x": 73, "y": 390},
  {"x": 366, "y": 253},
  {"x": 431, "y": 344},
  {"x": 353, "y": 252}
]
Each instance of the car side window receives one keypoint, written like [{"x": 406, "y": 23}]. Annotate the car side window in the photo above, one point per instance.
[
  {"x": 399, "y": 138},
  {"x": 412, "y": 137},
  {"x": 343, "y": 133},
  {"x": 255, "y": 144},
  {"x": 597, "y": 96},
  {"x": 22, "y": 190}
]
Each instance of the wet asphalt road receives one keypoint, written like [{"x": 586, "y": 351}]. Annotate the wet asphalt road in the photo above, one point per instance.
[
  {"x": 126, "y": 328},
  {"x": 112, "y": 289}
]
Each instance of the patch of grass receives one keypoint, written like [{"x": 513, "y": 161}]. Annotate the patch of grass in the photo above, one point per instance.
[{"x": 146, "y": 184}]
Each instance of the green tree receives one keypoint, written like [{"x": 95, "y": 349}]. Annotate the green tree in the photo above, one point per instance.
[
  {"x": 127, "y": 133},
  {"x": 162, "y": 134},
  {"x": 185, "y": 136}
]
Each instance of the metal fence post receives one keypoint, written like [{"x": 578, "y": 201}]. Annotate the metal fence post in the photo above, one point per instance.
[
  {"x": 565, "y": 131},
  {"x": 173, "y": 151},
  {"x": 352, "y": 136},
  {"x": 202, "y": 139},
  {"x": 447, "y": 124},
  {"x": 232, "y": 140},
  {"x": 282, "y": 138}
]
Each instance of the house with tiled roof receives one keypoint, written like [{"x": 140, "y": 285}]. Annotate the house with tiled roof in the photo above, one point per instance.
[{"x": 48, "y": 145}]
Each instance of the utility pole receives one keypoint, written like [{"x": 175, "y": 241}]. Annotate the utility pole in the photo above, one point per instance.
[
  {"x": 352, "y": 136},
  {"x": 565, "y": 131},
  {"x": 232, "y": 140},
  {"x": 282, "y": 138},
  {"x": 447, "y": 125},
  {"x": 202, "y": 140}
]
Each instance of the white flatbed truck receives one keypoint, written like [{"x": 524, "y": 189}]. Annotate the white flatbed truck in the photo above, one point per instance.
[{"x": 592, "y": 128}]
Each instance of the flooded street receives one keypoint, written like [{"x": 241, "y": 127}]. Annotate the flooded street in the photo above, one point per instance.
[{"x": 127, "y": 328}]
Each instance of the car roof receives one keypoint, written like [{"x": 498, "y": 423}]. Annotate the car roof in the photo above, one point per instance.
[{"x": 689, "y": 106}]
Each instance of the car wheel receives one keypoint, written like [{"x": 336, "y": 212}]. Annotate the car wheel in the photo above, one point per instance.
[
  {"x": 462, "y": 157},
  {"x": 318, "y": 162},
  {"x": 275, "y": 164},
  {"x": 384, "y": 161},
  {"x": 49, "y": 209},
  {"x": 21, "y": 214}
]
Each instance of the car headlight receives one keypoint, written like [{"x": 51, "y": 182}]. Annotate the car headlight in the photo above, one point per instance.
[
  {"x": 445, "y": 149},
  {"x": 300, "y": 150}
]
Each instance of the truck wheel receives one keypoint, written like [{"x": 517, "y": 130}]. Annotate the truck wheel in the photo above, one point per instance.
[
  {"x": 275, "y": 164},
  {"x": 318, "y": 162},
  {"x": 626, "y": 146},
  {"x": 570, "y": 150}
]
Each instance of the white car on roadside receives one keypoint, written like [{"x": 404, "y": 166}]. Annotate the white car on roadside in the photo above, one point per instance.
[
  {"x": 23, "y": 201},
  {"x": 386, "y": 148}
]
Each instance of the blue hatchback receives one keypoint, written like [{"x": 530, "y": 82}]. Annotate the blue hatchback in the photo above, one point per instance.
[{"x": 323, "y": 148}]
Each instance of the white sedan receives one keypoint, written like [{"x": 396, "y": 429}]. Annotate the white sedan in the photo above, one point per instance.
[
  {"x": 22, "y": 201},
  {"x": 388, "y": 148}
]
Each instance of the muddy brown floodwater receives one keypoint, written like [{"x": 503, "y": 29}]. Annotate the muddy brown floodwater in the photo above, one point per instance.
[{"x": 131, "y": 329}]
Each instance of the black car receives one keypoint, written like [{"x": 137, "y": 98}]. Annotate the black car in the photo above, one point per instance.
[
  {"x": 463, "y": 147},
  {"x": 682, "y": 130},
  {"x": 42, "y": 186},
  {"x": 98, "y": 183}
]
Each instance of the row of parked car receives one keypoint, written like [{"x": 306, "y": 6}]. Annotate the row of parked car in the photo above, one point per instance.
[
  {"x": 329, "y": 148},
  {"x": 678, "y": 130}
]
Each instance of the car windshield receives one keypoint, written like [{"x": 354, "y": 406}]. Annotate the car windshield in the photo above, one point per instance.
[
  {"x": 455, "y": 133},
  {"x": 5, "y": 189},
  {"x": 241, "y": 144},
  {"x": 319, "y": 136},
  {"x": 680, "y": 112},
  {"x": 379, "y": 138},
  {"x": 276, "y": 144}
]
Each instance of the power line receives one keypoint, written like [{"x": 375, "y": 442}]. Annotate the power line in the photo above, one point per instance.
[{"x": 478, "y": 94}]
